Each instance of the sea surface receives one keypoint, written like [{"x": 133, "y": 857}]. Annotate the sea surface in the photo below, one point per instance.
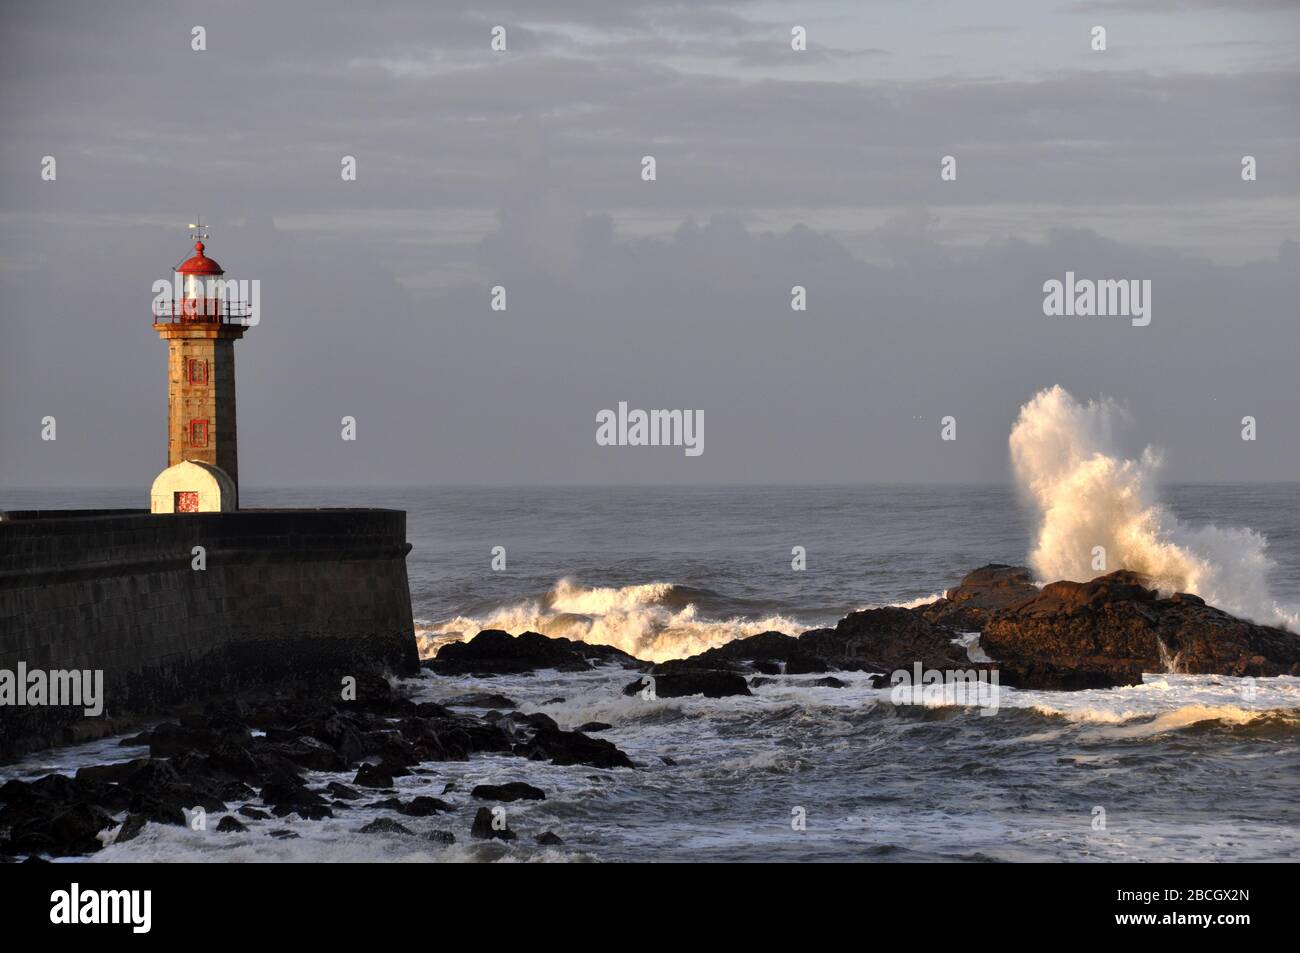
[{"x": 1179, "y": 768}]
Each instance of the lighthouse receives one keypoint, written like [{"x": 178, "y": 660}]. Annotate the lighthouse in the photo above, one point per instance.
[{"x": 200, "y": 321}]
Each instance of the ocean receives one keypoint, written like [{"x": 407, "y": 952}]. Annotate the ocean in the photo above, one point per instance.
[{"x": 1179, "y": 768}]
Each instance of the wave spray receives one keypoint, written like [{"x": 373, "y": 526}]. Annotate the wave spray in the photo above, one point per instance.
[{"x": 1085, "y": 494}]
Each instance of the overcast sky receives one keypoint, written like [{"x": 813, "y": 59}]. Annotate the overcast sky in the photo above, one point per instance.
[{"x": 775, "y": 168}]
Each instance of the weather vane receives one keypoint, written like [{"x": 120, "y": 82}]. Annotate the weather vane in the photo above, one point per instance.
[{"x": 198, "y": 229}]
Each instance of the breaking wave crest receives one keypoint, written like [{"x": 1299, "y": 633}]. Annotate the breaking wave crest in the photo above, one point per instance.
[
  {"x": 1086, "y": 494},
  {"x": 1116, "y": 725},
  {"x": 654, "y": 621}
]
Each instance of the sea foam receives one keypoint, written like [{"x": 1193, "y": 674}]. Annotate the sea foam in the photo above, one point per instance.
[{"x": 654, "y": 621}]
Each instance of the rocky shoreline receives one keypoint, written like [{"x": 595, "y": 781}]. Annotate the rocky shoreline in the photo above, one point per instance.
[{"x": 249, "y": 760}]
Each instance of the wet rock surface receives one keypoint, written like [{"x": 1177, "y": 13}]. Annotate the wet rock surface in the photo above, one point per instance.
[
  {"x": 1112, "y": 629},
  {"x": 681, "y": 682},
  {"x": 980, "y": 593},
  {"x": 493, "y": 652},
  {"x": 262, "y": 753},
  {"x": 885, "y": 640}
]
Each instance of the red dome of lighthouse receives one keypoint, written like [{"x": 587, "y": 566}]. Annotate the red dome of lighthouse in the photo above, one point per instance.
[{"x": 199, "y": 264}]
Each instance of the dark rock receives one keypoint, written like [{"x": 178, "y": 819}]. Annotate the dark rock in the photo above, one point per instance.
[
  {"x": 112, "y": 773},
  {"x": 511, "y": 791},
  {"x": 495, "y": 652},
  {"x": 573, "y": 747},
  {"x": 594, "y": 726},
  {"x": 283, "y": 834},
  {"x": 170, "y": 740},
  {"x": 342, "y": 791},
  {"x": 373, "y": 776},
  {"x": 424, "y": 806},
  {"x": 829, "y": 682},
  {"x": 483, "y": 829},
  {"x": 1112, "y": 629},
  {"x": 805, "y": 664},
  {"x": 453, "y": 738},
  {"x": 442, "y": 837},
  {"x": 313, "y": 754},
  {"x": 538, "y": 720},
  {"x": 384, "y": 825},
  {"x": 230, "y": 825},
  {"x": 549, "y": 839},
  {"x": 770, "y": 653},
  {"x": 449, "y": 787},
  {"x": 292, "y": 796},
  {"x": 373, "y": 692},
  {"x": 131, "y": 828},
  {"x": 980, "y": 593},
  {"x": 65, "y": 830},
  {"x": 234, "y": 760},
  {"x": 481, "y": 700},
  {"x": 758, "y": 681},
  {"x": 308, "y": 812},
  {"x": 671, "y": 762},
  {"x": 886, "y": 640},
  {"x": 254, "y": 813},
  {"x": 603, "y": 654},
  {"x": 392, "y": 749},
  {"x": 158, "y": 810},
  {"x": 682, "y": 683}
]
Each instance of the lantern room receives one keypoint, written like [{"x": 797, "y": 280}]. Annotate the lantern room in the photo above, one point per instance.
[{"x": 201, "y": 286}]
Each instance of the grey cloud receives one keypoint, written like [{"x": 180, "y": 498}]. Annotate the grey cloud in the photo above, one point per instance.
[{"x": 393, "y": 326}]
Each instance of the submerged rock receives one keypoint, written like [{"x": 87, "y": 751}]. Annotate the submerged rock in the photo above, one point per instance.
[
  {"x": 373, "y": 776},
  {"x": 484, "y": 830},
  {"x": 423, "y": 806},
  {"x": 481, "y": 700},
  {"x": 384, "y": 825},
  {"x": 131, "y": 828},
  {"x": 511, "y": 791},
  {"x": 572, "y": 747}
]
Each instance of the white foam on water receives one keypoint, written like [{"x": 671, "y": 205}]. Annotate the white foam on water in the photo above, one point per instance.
[{"x": 645, "y": 620}]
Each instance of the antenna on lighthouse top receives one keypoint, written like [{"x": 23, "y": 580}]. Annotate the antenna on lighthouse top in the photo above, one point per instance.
[{"x": 198, "y": 229}]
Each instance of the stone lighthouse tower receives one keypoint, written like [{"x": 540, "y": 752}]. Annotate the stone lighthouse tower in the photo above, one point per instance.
[{"x": 200, "y": 327}]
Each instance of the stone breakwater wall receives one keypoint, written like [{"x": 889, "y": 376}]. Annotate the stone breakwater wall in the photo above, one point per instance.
[{"x": 285, "y": 595}]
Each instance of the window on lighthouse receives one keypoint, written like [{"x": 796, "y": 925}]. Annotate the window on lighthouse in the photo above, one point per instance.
[
  {"x": 203, "y": 294},
  {"x": 198, "y": 433},
  {"x": 198, "y": 371}
]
